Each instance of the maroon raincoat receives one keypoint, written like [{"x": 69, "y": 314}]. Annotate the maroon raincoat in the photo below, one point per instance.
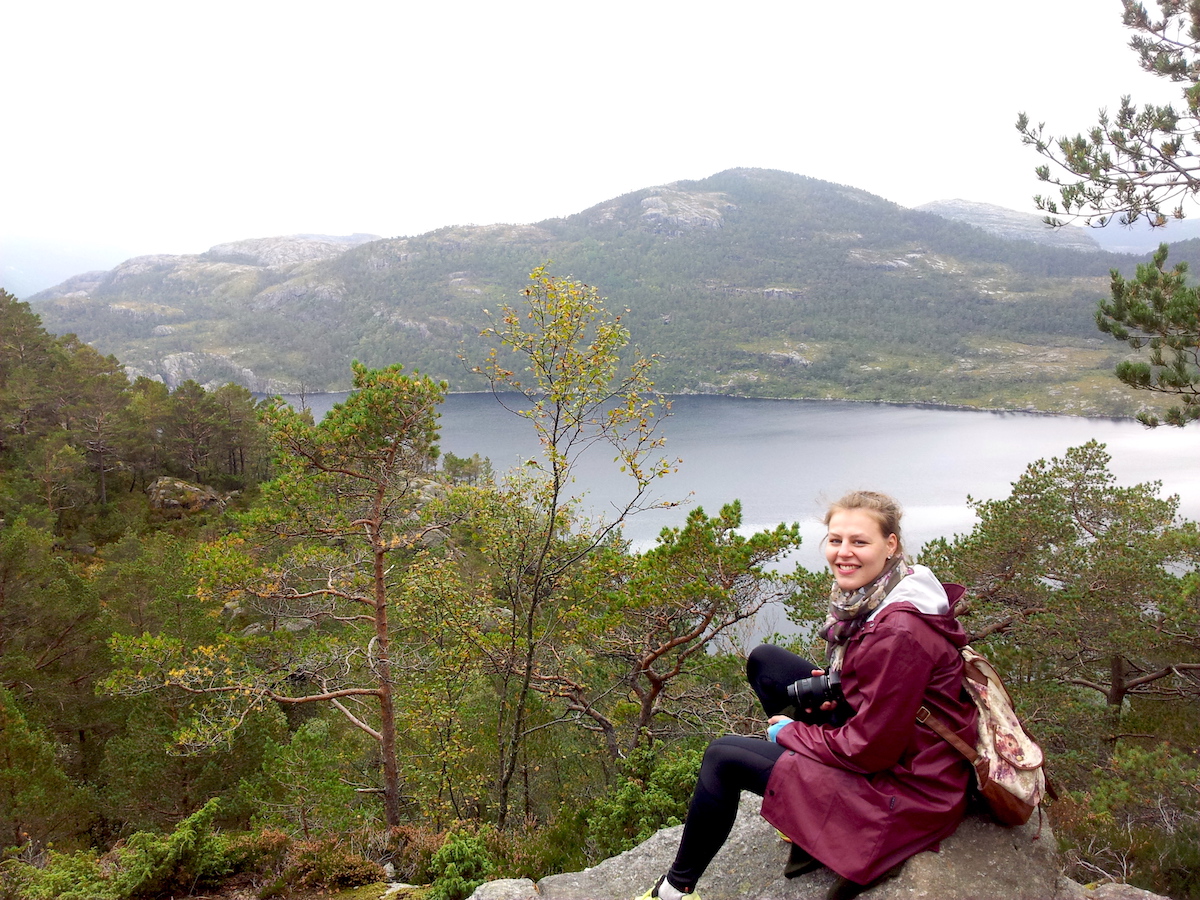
[{"x": 867, "y": 795}]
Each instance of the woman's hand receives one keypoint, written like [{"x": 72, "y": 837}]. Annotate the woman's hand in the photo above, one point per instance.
[{"x": 828, "y": 704}]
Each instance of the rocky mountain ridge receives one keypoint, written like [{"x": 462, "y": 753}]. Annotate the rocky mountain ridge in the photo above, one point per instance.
[{"x": 287, "y": 250}]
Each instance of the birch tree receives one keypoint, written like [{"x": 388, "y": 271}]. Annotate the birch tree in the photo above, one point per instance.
[{"x": 559, "y": 364}]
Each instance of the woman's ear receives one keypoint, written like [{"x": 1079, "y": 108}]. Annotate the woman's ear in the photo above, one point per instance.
[{"x": 893, "y": 544}]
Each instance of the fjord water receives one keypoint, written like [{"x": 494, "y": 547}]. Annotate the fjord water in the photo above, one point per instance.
[{"x": 786, "y": 459}]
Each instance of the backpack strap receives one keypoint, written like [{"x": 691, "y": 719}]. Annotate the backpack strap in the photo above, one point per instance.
[{"x": 979, "y": 763}]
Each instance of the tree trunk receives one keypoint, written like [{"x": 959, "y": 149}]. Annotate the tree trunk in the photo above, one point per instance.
[
  {"x": 509, "y": 765},
  {"x": 387, "y": 709},
  {"x": 103, "y": 481},
  {"x": 1117, "y": 689}
]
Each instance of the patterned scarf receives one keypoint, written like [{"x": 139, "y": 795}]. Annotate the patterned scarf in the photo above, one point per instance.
[{"x": 848, "y": 610}]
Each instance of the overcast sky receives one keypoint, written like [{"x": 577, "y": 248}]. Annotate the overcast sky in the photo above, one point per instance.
[{"x": 167, "y": 127}]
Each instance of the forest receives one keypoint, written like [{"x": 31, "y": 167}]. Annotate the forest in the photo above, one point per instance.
[{"x": 238, "y": 645}]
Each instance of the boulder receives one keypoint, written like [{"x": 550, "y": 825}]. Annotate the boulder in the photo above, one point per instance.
[
  {"x": 506, "y": 889},
  {"x": 183, "y": 496},
  {"x": 980, "y": 861}
]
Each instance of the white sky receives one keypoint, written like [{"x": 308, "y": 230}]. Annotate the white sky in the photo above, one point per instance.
[{"x": 167, "y": 127}]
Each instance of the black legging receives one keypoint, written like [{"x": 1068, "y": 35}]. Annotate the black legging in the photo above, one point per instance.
[
  {"x": 771, "y": 671},
  {"x": 732, "y": 764}
]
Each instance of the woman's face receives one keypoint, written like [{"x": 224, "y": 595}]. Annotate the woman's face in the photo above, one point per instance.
[{"x": 856, "y": 548}]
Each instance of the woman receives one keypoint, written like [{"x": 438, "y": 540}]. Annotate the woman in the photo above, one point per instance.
[{"x": 855, "y": 783}]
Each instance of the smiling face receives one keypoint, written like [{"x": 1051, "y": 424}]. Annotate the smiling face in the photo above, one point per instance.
[{"x": 856, "y": 548}]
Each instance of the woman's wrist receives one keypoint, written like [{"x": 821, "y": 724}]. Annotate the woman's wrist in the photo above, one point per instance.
[{"x": 777, "y": 726}]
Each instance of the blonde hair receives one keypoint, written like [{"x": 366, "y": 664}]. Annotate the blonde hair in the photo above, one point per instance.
[{"x": 882, "y": 508}]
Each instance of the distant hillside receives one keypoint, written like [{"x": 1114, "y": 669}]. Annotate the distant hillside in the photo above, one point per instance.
[
  {"x": 1141, "y": 238},
  {"x": 29, "y": 265},
  {"x": 1138, "y": 239},
  {"x": 751, "y": 282},
  {"x": 1013, "y": 225}
]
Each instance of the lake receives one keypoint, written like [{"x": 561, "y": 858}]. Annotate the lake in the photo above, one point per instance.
[{"x": 787, "y": 459}]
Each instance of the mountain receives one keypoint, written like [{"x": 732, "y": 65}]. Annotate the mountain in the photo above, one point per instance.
[{"x": 750, "y": 282}]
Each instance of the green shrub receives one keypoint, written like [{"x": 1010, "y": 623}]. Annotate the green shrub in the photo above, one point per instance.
[
  {"x": 460, "y": 866},
  {"x": 64, "y": 876},
  {"x": 653, "y": 793},
  {"x": 144, "y": 867},
  {"x": 272, "y": 859},
  {"x": 192, "y": 856}
]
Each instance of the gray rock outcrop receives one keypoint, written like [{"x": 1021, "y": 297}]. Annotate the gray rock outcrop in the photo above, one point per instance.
[
  {"x": 174, "y": 494},
  {"x": 980, "y": 861},
  {"x": 210, "y": 370},
  {"x": 671, "y": 211},
  {"x": 287, "y": 250}
]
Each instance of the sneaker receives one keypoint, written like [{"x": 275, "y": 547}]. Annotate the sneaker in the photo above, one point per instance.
[{"x": 668, "y": 891}]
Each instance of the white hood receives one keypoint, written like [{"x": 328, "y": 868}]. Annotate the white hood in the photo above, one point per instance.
[{"x": 922, "y": 589}]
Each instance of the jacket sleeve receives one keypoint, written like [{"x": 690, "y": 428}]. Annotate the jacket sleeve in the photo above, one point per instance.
[{"x": 890, "y": 668}]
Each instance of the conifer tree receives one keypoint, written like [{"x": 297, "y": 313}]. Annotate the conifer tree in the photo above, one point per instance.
[
  {"x": 1075, "y": 576},
  {"x": 1143, "y": 163},
  {"x": 311, "y": 582},
  {"x": 38, "y": 803},
  {"x": 1160, "y": 311}
]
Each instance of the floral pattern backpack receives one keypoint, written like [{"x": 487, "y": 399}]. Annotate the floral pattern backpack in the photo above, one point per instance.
[{"x": 1008, "y": 763}]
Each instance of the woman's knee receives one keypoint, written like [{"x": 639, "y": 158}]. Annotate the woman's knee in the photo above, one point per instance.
[
  {"x": 716, "y": 752},
  {"x": 721, "y": 755},
  {"x": 714, "y": 776},
  {"x": 775, "y": 664},
  {"x": 758, "y": 657},
  {"x": 735, "y": 763},
  {"x": 760, "y": 660}
]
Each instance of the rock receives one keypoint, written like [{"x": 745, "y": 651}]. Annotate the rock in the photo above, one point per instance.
[
  {"x": 980, "y": 861},
  {"x": 176, "y": 494},
  {"x": 672, "y": 211},
  {"x": 210, "y": 370},
  {"x": 790, "y": 358},
  {"x": 287, "y": 250},
  {"x": 1120, "y": 892},
  {"x": 506, "y": 889}
]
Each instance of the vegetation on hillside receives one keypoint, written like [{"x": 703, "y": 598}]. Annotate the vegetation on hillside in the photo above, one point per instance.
[{"x": 365, "y": 657}]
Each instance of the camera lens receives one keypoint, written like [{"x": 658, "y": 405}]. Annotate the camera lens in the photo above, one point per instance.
[{"x": 810, "y": 693}]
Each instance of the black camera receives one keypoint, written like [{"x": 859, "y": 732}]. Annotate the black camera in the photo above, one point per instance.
[{"x": 810, "y": 693}]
